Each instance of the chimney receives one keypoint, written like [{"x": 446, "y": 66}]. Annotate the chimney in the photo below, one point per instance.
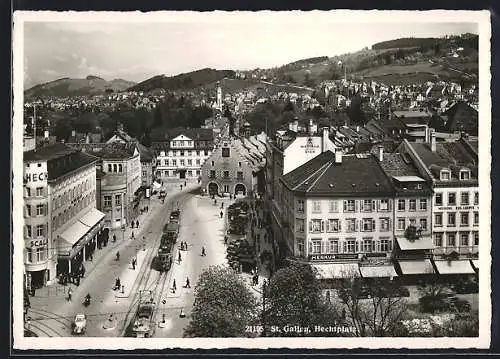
[
  {"x": 338, "y": 155},
  {"x": 433, "y": 140},
  {"x": 380, "y": 153},
  {"x": 326, "y": 138},
  {"x": 46, "y": 134},
  {"x": 357, "y": 128},
  {"x": 296, "y": 125},
  {"x": 311, "y": 128},
  {"x": 73, "y": 133},
  {"x": 427, "y": 137},
  {"x": 87, "y": 138}
]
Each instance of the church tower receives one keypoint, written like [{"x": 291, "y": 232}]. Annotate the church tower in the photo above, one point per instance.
[{"x": 219, "y": 97}]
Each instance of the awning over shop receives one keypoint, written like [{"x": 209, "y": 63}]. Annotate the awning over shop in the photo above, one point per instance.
[
  {"x": 71, "y": 236},
  {"x": 475, "y": 263},
  {"x": 156, "y": 185},
  {"x": 380, "y": 271},
  {"x": 454, "y": 267},
  {"x": 92, "y": 217},
  {"x": 418, "y": 244},
  {"x": 336, "y": 270},
  {"x": 423, "y": 266}
]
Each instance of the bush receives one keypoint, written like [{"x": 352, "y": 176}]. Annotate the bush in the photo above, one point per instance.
[{"x": 433, "y": 304}]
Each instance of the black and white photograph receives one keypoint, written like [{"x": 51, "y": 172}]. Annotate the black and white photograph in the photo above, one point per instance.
[{"x": 272, "y": 179}]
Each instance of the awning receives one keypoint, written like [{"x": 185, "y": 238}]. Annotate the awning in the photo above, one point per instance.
[
  {"x": 422, "y": 243},
  {"x": 156, "y": 185},
  {"x": 71, "y": 236},
  {"x": 454, "y": 267},
  {"x": 423, "y": 266},
  {"x": 381, "y": 271},
  {"x": 92, "y": 217},
  {"x": 336, "y": 270},
  {"x": 475, "y": 263}
]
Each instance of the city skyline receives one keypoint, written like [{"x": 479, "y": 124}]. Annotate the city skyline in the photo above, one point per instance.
[{"x": 136, "y": 51}]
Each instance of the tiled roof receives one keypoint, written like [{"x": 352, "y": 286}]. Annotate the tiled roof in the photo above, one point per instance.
[
  {"x": 145, "y": 153},
  {"x": 48, "y": 152},
  {"x": 357, "y": 175},
  {"x": 196, "y": 134},
  {"x": 115, "y": 150}
]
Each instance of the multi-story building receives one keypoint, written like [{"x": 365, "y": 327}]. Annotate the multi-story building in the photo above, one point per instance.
[
  {"x": 61, "y": 223},
  {"x": 235, "y": 166},
  {"x": 335, "y": 213},
  {"x": 181, "y": 152},
  {"x": 452, "y": 170}
]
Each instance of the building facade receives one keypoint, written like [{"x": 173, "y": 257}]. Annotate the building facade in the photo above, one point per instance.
[
  {"x": 180, "y": 153},
  {"x": 61, "y": 221}
]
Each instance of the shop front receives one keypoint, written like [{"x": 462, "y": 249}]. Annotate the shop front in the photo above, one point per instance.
[{"x": 71, "y": 248}]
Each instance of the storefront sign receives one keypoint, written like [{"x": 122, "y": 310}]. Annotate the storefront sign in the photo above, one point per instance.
[
  {"x": 328, "y": 257},
  {"x": 39, "y": 243},
  {"x": 36, "y": 177},
  {"x": 458, "y": 208},
  {"x": 310, "y": 147},
  {"x": 375, "y": 255}
]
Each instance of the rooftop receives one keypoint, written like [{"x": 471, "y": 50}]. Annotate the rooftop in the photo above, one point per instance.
[
  {"x": 48, "y": 152},
  {"x": 356, "y": 175}
]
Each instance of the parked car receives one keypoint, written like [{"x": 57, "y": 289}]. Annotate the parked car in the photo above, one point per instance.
[{"x": 80, "y": 324}]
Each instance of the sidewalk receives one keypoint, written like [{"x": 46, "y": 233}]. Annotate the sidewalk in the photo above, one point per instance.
[{"x": 129, "y": 276}]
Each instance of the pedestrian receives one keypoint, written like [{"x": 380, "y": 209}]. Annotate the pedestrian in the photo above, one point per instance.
[
  {"x": 182, "y": 246},
  {"x": 222, "y": 205},
  {"x": 225, "y": 239},
  {"x": 181, "y": 187},
  {"x": 185, "y": 183},
  {"x": 187, "y": 283},
  {"x": 133, "y": 264},
  {"x": 179, "y": 258},
  {"x": 215, "y": 201},
  {"x": 132, "y": 236},
  {"x": 144, "y": 238},
  {"x": 221, "y": 214},
  {"x": 82, "y": 271},
  {"x": 174, "y": 286},
  {"x": 132, "y": 225},
  {"x": 137, "y": 224},
  {"x": 185, "y": 246},
  {"x": 70, "y": 293},
  {"x": 91, "y": 257},
  {"x": 230, "y": 196},
  {"x": 114, "y": 238},
  {"x": 203, "y": 254},
  {"x": 117, "y": 256}
]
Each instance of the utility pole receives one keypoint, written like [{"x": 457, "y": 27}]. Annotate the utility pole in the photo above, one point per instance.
[
  {"x": 34, "y": 124},
  {"x": 264, "y": 287}
]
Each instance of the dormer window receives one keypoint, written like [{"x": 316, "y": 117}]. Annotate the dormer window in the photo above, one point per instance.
[
  {"x": 464, "y": 175},
  {"x": 445, "y": 175}
]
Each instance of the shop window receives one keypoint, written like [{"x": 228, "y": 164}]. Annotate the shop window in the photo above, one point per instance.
[
  {"x": 438, "y": 239},
  {"x": 464, "y": 239},
  {"x": 451, "y": 240}
]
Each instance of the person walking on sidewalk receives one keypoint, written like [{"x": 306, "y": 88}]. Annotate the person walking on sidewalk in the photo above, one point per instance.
[
  {"x": 70, "y": 294},
  {"x": 174, "y": 286},
  {"x": 187, "y": 283},
  {"x": 117, "y": 256},
  {"x": 179, "y": 258},
  {"x": 203, "y": 254},
  {"x": 114, "y": 237},
  {"x": 132, "y": 236},
  {"x": 137, "y": 224},
  {"x": 221, "y": 214}
]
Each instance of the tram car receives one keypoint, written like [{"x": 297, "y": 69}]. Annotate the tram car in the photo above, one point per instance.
[
  {"x": 171, "y": 229},
  {"x": 175, "y": 216},
  {"x": 165, "y": 259}
]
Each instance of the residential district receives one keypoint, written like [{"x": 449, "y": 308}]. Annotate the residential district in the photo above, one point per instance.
[{"x": 116, "y": 233}]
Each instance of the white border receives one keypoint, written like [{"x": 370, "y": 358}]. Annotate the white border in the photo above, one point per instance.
[{"x": 482, "y": 18}]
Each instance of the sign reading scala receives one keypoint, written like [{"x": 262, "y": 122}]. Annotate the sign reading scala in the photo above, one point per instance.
[
  {"x": 39, "y": 243},
  {"x": 36, "y": 177}
]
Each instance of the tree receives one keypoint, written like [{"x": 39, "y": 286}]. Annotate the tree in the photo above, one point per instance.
[
  {"x": 295, "y": 298},
  {"x": 289, "y": 107},
  {"x": 62, "y": 130},
  {"x": 375, "y": 308},
  {"x": 86, "y": 123},
  {"x": 157, "y": 117},
  {"x": 223, "y": 305}
]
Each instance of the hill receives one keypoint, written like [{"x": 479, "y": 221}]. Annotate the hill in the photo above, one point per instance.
[
  {"x": 67, "y": 87},
  {"x": 185, "y": 81}
]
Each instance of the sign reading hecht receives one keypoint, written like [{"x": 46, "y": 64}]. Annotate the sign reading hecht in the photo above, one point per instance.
[{"x": 36, "y": 177}]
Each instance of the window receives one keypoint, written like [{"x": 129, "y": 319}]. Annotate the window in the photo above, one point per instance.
[
  {"x": 225, "y": 152},
  {"x": 181, "y": 153},
  {"x": 384, "y": 205},
  {"x": 476, "y": 238},
  {"x": 182, "y": 162},
  {"x": 39, "y": 165},
  {"x": 39, "y": 191},
  {"x": 332, "y": 225},
  {"x": 316, "y": 207},
  {"x": 368, "y": 225},
  {"x": 351, "y": 225},
  {"x": 445, "y": 175},
  {"x": 367, "y": 245},
  {"x": 40, "y": 210},
  {"x": 438, "y": 239},
  {"x": 451, "y": 219},
  {"x": 239, "y": 175},
  {"x": 28, "y": 231},
  {"x": 423, "y": 224},
  {"x": 333, "y": 245},
  {"x": 190, "y": 173},
  {"x": 226, "y": 174},
  {"x": 423, "y": 204},
  {"x": 401, "y": 224},
  {"x": 350, "y": 246},
  {"x": 198, "y": 162},
  {"x": 205, "y": 153},
  {"x": 212, "y": 174},
  {"x": 226, "y": 188},
  {"x": 439, "y": 199},
  {"x": 333, "y": 207},
  {"x": 476, "y": 198},
  {"x": 316, "y": 246},
  {"x": 300, "y": 205},
  {"x": 385, "y": 224},
  {"x": 476, "y": 218},
  {"x": 385, "y": 245},
  {"x": 464, "y": 175},
  {"x": 174, "y": 162},
  {"x": 40, "y": 230},
  {"x": 349, "y": 205},
  {"x": 28, "y": 192},
  {"x": 300, "y": 225},
  {"x": 438, "y": 219},
  {"x": 401, "y": 205},
  {"x": 107, "y": 201},
  {"x": 452, "y": 199},
  {"x": 110, "y": 167},
  {"x": 413, "y": 205},
  {"x": 464, "y": 218},
  {"x": 315, "y": 226},
  {"x": 198, "y": 172},
  {"x": 450, "y": 239},
  {"x": 464, "y": 239},
  {"x": 367, "y": 205},
  {"x": 301, "y": 246},
  {"x": 120, "y": 168},
  {"x": 28, "y": 210},
  {"x": 118, "y": 200},
  {"x": 115, "y": 167},
  {"x": 464, "y": 198}
]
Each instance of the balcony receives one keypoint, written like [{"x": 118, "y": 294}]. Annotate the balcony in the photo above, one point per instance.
[{"x": 462, "y": 251}]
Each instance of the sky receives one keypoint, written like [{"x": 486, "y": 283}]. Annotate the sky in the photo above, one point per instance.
[{"x": 139, "y": 50}]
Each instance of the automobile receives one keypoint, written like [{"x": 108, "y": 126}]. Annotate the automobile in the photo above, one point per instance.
[{"x": 80, "y": 324}]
